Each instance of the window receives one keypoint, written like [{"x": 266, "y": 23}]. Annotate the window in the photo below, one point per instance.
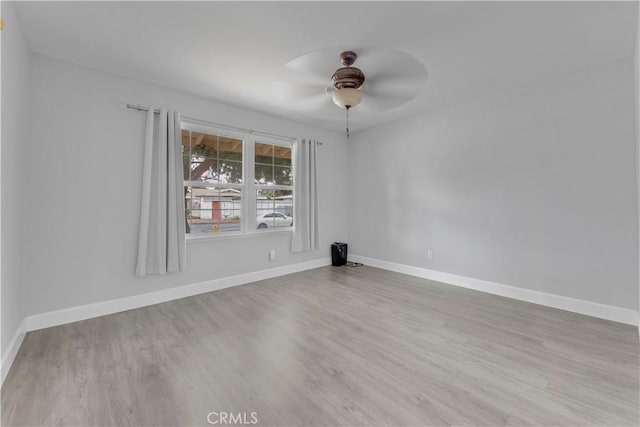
[
  {"x": 273, "y": 178},
  {"x": 213, "y": 178},
  {"x": 221, "y": 168}
]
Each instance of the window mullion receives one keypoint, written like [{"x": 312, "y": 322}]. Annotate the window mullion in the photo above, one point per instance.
[{"x": 249, "y": 198}]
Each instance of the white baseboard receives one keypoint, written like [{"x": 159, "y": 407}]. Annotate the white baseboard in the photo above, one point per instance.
[
  {"x": 9, "y": 356},
  {"x": 74, "y": 314},
  {"x": 603, "y": 311}
]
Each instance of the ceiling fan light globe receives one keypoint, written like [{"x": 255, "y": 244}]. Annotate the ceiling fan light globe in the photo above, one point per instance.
[{"x": 347, "y": 97}]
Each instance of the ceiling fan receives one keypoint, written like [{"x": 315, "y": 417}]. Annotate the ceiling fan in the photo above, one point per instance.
[
  {"x": 393, "y": 77},
  {"x": 347, "y": 82}
]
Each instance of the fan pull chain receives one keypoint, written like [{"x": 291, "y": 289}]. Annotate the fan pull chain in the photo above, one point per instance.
[{"x": 348, "y": 121}]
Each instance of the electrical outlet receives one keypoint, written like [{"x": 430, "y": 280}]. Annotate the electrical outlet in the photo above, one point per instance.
[
  {"x": 429, "y": 254},
  {"x": 272, "y": 255}
]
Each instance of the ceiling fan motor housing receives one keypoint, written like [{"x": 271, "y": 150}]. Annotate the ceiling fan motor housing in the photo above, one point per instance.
[{"x": 348, "y": 77}]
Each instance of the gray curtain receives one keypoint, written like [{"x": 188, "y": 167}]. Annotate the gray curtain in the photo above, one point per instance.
[
  {"x": 305, "y": 197},
  {"x": 161, "y": 239}
]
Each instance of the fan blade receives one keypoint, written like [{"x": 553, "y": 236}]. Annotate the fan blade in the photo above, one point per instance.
[
  {"x": 296, "y": 91},
  {"x": 392, "y": 68},
  {"x": 328, "y": 109},
  {"x": 304, "y": 96},
  {"x": 376, "y": 102},
  {"x": 306, "y": 77},
  {"x": 391, "y": 90},
  {"x": 319, "y": 64}
]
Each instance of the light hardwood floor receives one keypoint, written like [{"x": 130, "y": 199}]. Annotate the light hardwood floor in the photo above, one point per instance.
[{"x": 330, "y": 346}]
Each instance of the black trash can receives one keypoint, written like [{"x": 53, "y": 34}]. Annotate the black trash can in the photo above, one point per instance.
[{"x": 338, "y": 254}]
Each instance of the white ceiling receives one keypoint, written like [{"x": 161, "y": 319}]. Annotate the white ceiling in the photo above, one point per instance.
[{"x": 233, "y": 52}]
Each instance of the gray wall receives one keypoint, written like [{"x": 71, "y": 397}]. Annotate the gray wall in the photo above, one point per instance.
[
  {"x": 637, "y": 92},
  {"x": 85, "y": 147},
  {"x": 16, "y": 70},
  {"x": 534, "y": 188}
]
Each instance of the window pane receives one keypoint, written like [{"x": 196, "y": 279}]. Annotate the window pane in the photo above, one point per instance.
[
  {"x": 264, "y": 174},
  {"x": 204, "y": 145},
  {"x": 270, "y": 202},
  {"x": 264, "y": 163},
  {"x": 210, "y": 158},
  {"x": 211, "y": 210},
  {"x": 282, "y": 176},
  {"x": 272, "y": 164},
  {"x": 203, "y": 170},
  {"x": 282, "y": 156},
  {"x": 230, "y": 149},
  {"x": 264, "y": 153},
  {"x": 230, "y": 171}
]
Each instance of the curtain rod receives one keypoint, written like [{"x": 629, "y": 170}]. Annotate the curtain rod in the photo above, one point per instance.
[{"x": 207, "y": 122}]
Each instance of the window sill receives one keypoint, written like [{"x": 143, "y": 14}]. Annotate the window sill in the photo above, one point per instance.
[{"x": 231, "y": 236}]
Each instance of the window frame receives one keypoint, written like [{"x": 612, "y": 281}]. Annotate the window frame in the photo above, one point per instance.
[
  {"x": 248, "y": 187},
  {"x": 258, "y": 187}
]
